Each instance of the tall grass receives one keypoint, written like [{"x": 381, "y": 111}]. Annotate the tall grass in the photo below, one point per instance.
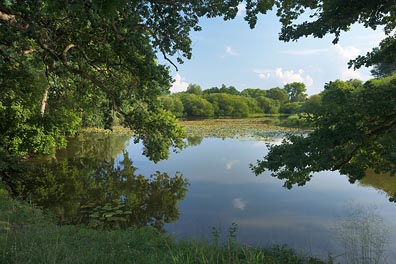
[{"x": 363, "y": 236}]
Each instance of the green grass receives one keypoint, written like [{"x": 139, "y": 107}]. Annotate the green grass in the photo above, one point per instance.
[{"x": 28, "y": 235}]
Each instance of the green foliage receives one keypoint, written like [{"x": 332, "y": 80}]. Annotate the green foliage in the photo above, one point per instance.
[
  {"x": 229, "y": 102},
  {"x": 195, "y": 106},
  {"x": 173, "y": 104},
  {"x": 312, "y": 105},
  {"x": 253, "y": 105},
  {"x": 277, "y": 94},
  {"x": 194, "y": 89},
  {"x": 228, "y": 90},
  {"x": 296, "y": 91},
  {"x": 211, "y": 90},
  {"x": 333, "y": 17},
  {"x": 354, "y": 130},
  {"x": 22, "y": 127},
  {"x": 71, "y": 63},
  {"x": 296, "y": 120},
  {"x": 383, "y": 58},
  {"x": 254, "y": 93},
  {"x": 228, "y": 105},
  {"x": 223, "y": 89},
  {"x": 268, "y": 105},
  {"x": 290, "y": 108}
]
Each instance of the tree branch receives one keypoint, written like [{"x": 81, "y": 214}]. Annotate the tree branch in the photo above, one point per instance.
[{"x": 64, "y": 53}]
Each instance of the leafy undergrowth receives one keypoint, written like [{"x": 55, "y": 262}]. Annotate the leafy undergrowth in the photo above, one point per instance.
[{"x": 27, "y": 235}]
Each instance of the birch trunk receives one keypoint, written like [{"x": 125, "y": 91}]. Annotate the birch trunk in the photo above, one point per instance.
[{"x": 44, "y": 102}]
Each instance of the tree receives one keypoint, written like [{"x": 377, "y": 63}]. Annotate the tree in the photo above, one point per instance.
[
  {"x": 228, "y": 105},
  {"x": 196, "y": 106},
  {"x": 332, "y": 17},
  {"x": 194, "y": 89},
  {"x": 277, "y": 94},
  {"x": 253, "y": 92},
  {"x": 68, "y": 62},
  {"x": 383, "y": 58},
  {"x": 290, "y": 108},
  {"x": 296, "y": 91},
  {"x": 312, "y": 105},
  {"x": 173, "y": 104},
  {"x": 268, "y": 105},
  {"x": 228, "y": 90},
  {"x": 355, "y": 129},
  {"x": 211, "y": 90}
]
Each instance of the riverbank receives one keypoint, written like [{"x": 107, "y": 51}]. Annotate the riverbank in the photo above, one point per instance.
[{"x": 29, "y": 235}]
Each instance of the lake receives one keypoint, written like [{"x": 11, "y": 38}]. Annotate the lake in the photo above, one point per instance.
[{"x": 222, "y": 190}]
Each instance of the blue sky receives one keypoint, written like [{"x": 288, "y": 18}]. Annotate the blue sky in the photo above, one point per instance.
[{"x": 230, "y": 53}]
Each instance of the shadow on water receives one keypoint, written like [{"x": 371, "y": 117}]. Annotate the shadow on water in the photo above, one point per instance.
[{"x": 84, "y": 184}]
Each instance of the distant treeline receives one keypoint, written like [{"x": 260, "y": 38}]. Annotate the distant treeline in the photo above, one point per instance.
[{"x": 229, "y": 102}]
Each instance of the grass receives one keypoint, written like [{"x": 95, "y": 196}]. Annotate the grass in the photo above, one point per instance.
[{"x": 28, "y": 235}]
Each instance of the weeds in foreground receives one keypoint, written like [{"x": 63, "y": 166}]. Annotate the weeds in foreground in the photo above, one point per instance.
[{"x": 362, "y": 235}]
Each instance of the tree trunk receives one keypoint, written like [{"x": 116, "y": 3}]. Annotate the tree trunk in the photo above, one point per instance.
[{"x": 44, "y": 101}]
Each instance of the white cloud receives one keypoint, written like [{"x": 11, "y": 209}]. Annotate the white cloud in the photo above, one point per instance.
[
  {"x": 229, "y": 51},
  {"x": 238, "y": 203},
  {"x": 347, "y": 74},
  {"x": 179, "y": 84},
  {"x": 230, "y": 164},
  {"x": 305, "y": 52},
  {"x": 285, "y": 76},
  {"x": 347, "y": 53}
]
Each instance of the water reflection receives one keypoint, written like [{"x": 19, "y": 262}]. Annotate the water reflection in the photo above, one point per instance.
[
  {"x": 194, "y": 140},
  {"x": 84, "y": 185},
  {"x": 383, "y": 182},
  {"x": 95, "y": 182},
  {"x": 224, "y": 191}
]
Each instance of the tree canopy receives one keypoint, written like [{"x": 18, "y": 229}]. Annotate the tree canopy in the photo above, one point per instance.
[
  {"x": 354, "y": 131},
  {"x": 296, "y": 91},
  {"x": 64, "y": 63},
  {"x": 67, "y": 63},
  {"x": 355, "y": 124}
]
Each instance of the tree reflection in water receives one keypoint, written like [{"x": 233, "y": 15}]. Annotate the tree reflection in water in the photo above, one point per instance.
[{"x": 84, "y": 190}]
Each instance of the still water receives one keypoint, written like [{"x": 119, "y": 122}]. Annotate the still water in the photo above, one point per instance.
[{"x": 223, "y": 191}]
